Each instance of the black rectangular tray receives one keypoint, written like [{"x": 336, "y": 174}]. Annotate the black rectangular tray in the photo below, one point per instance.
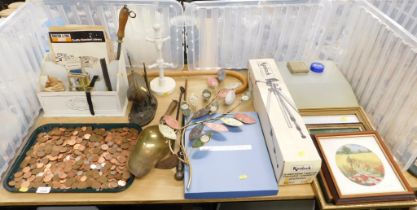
[{"x": 47, "y": 127}]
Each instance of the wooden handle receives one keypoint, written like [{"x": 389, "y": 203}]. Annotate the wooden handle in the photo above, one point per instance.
[
  {"x": 123, "y": 16},
  {"x": 171, "y": 107},
  {"x": 234, "y": 74}
]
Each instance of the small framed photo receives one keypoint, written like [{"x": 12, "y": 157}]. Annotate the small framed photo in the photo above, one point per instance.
[
  {"x": 349, "y": 115},
  {"x": 335, "y": 128},
  {"x": 358, "y": 168}
]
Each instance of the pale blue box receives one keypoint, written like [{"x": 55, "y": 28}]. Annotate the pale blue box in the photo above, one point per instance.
[{"x": 233, "y": 164}]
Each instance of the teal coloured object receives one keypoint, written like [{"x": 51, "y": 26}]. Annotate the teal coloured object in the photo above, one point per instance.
[{"x": 47, "y": 127}]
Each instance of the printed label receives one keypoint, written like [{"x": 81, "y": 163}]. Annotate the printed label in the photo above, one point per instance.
[
  {"x": 77, "y": 36},
  {"x": 43, "y": 190},
  {"x": 266, "y": 70},
  {"x": 302, "y": 168},
  {"x": 226, "y": 148}
]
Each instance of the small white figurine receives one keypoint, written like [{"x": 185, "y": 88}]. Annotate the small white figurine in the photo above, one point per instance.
[{"x": 161, "y": 85}]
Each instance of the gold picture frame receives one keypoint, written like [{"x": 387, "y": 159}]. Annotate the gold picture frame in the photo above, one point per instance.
[
  {"x": 348, "y": 115},
  {"x": 335, "y": 128}
]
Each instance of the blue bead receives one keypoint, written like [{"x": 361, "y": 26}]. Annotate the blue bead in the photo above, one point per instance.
[{"x": 317, "y": 67}]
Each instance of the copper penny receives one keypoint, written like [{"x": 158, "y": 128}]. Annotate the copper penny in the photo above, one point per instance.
[
  {"x": 52, "y": 157},
  {"x": 60, "y": 156},
  {"x": 95, "y": 158},
  {"x": 104, "y": 147},
  {"x": 113, "y": 184},
  {"x": 25, "y": 184},
  {"x": 40, "y": 153},
  {"x": 87, "y": 136},
  {"x": 95, "y": 185},
  {"x": 62, "y": 175},
  {"x": 108, "y": 138},
  {"x": 45, "y": 161},
  {"x": 83, "y": 178},
  {"x": 48, "y": 177},
  {"x": 79, "y": 140},
  {"x": 107, "y": 156},
  {"x": 126, "y": 175},
  {"x": 72, "y": 141},
  {"x": 102, "y": 179},
  {"x": 113, "y": 160},
  {"x": 63, "y": 149},
  {"x": 55, "y": 184},
  {"x": 12, "y": 183},
  {"x": 39, "y": 165},
  {"x": 26, "y": 169},
  {"x": 79, "y": 147},
  {"x": 55, "y": 153},
  {"x": 101, "y": 160},
  {"x": 31, "y": 178},
  {"x": 27, "y": 175},
  {"x": 121, "y": 159},
  {"x": 18, "y": 174}
]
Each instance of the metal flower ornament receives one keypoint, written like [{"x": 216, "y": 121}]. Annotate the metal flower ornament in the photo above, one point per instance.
[{"x": 203, "y": 120}]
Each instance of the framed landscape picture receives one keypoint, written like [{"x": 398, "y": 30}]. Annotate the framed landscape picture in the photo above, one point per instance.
[
  {"x": 315, "y": 129},
  {"x": 358, "y": 168}
]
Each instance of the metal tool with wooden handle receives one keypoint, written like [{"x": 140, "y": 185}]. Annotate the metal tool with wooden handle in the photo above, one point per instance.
[
  {"x": 123, "y": 16},
  {"x": 171, "y": 108}
]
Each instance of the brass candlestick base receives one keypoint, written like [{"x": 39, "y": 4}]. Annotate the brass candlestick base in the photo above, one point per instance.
[{"x": 143, "y": 112}]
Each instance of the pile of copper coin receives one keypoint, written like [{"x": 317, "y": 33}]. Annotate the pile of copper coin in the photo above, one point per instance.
[{"x": 77, "y": 158}]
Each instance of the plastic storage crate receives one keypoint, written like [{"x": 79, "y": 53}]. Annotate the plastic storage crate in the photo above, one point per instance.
[
  {"x": 106, "y": 13},
  {"x": 22, "y": 45},
  {"x": 375, "y": 53}
]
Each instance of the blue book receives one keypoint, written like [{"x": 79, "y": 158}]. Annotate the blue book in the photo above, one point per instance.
[{"x": 232, "y": 164}]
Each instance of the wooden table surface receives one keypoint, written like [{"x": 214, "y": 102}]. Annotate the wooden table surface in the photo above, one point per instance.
[{"x": 159, "y": 186}]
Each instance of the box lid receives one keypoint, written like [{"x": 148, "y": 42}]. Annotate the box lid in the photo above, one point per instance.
[{"x": 233, "y": 164}]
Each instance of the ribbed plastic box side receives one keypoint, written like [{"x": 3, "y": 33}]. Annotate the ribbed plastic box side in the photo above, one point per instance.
[
  {"x": 149, "y": 13},
  {"x": 226, "y": 34},
  {"x": 380, "y": 62},
  {"x": 374, "y": 52},
  {"x": 403, "y": 12},
  {"x": 22, "y": 47}
]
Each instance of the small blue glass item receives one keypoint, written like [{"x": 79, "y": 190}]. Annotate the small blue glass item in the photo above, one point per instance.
[{"x": 317, "y": 67}]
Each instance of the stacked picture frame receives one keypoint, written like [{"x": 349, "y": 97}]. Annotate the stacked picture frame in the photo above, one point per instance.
[{"x": 357, "y": 166}]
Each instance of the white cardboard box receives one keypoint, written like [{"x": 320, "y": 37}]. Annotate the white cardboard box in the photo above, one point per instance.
[
  {"x": 74, "y": 103},
  {"x": 293, "y": 155}
]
